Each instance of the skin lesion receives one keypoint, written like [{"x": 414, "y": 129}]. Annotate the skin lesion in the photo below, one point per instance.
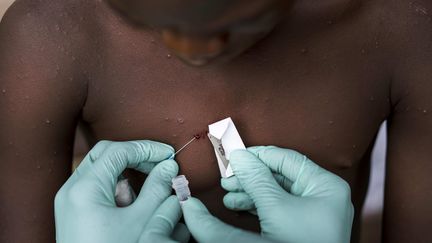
[{"x": 201, "y": 135}]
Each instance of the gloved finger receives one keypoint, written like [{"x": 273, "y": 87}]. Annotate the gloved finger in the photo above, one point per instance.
[
  {"x": 163, "y": 221},
  {"x": 147, "y": 167},
  {"x": 286, "y": 162},
  {"x": 295, "y": 166},
  {"x": 150, "y": 153},
  {"x": 238, "y": 201},
  {"x": 157, "y": 186},
  {"x": 180, "y": 233},
  {"x": 232, "y": 184},
  {"x": 91, "y": 156},
  {"x": 97, "y": 151},
  {"x": 284, "y": 182},
  {"x": 118, "y": 156},
  {"x": 256, "y": 179},
  {"x": 253, "y": 212},
  {"x": 206, "y": 228}
]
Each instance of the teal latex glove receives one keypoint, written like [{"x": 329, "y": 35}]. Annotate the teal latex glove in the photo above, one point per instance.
[
  {"x": 312, "y": 205},
  {"x": 206, "y": 228},
  {"x": 85, "y": 208}
]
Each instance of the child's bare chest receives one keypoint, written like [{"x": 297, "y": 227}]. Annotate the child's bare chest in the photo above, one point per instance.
[
  {"x": 329, "y": 111},
  {"x": 331, "y": 116}
]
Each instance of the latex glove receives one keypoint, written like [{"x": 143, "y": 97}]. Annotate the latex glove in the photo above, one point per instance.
[
  {"x": 85, "y": 209},
  {"x": 206, "y": 228},
  {"x": 316, "y": 207}
]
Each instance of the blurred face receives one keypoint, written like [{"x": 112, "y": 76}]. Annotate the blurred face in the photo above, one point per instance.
[{"x": 202, "y": 31}]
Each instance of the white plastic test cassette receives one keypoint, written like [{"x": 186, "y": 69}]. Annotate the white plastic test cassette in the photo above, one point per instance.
[{"x": 225, "y": 139}]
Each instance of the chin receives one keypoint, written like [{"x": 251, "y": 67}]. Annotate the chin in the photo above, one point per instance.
[
  {"x": 211, "y": 61},
  {"x": 222, "y": 58}
]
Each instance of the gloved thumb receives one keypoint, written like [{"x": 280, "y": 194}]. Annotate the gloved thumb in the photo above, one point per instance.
[
  {"x": 156, "y": 188},
  {"x": 305, "y": 175},
  {"x": 107, "y": 160},
  {"x": 206, "y": 228},
  {"x": 163, "y": 222},
  {"x": 256, "y": 179}
]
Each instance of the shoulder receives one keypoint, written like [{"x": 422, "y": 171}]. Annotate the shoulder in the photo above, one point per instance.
[
  {"x": 39, "y": 12},
  {"x": 44, "y": 44},
  {"x": 407, "y": 36},
  {"x": 409, "y": 26},
  {"x": 400, "y": 21},
  {"x": 49, "y": 32},
  {"x": 39, "y": 22}
]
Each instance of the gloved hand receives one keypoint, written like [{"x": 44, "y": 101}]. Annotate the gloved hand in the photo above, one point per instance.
[
  {"x": 85, "y": 209},
  {"x": 206, "y": 228},
  {"x": 313, "y": 205}
]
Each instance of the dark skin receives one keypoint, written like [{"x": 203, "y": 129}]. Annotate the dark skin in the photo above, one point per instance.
[{"x": 321, "y": 83}]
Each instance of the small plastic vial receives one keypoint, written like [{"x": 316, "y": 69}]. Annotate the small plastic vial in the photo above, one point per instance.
[{"x": 180, "y": 185}]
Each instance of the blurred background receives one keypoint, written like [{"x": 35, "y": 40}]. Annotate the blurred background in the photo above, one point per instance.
[{"x": 372, "y": 212}]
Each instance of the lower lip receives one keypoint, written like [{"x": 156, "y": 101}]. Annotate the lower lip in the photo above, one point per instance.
[{"x": 197, "y": 62}]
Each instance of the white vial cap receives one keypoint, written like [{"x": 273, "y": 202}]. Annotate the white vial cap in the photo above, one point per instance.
[{"x": 180, "y": 185}]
